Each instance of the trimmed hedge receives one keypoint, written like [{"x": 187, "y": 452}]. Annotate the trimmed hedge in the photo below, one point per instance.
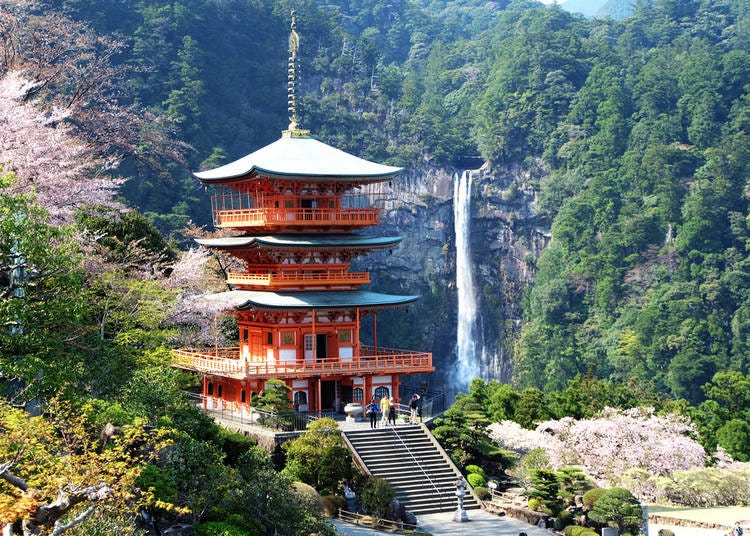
[{"x": 476, "y": 480}]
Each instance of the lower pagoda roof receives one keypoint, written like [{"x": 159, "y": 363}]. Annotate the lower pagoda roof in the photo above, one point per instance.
[
  {"x": 301, "y": 241},
  {"x": 304, "y": 301}
]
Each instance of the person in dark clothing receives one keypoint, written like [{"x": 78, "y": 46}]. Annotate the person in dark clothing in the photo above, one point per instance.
[
  {"x": 392, "y": 413},
  {"x": 372, "y": 412},
  {"x": 414, "y": 408}
]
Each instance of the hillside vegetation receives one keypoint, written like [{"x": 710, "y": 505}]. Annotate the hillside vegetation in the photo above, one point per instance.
[
  {"x": 635, "y": 135},
  {"x": 636, "y": 132}
]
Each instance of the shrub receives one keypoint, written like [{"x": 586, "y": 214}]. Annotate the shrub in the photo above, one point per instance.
[
  {"x": 707, "y": 486},
  {"x": 476, "y": 480},
  {"x": 377, "y": 496},
  {"x": 535, "y": 504},
  {"x": 578, "y": 530},
  {"x": 666, "y": 532},
  {"x": 220, "y": 528},
  {"x": 332, "y": 504},
  {"x": 591, "y": 496},
  {"x": 475, "y": 469},
  {"x": 308, "y": 497},
  {"x": 618, "y": 507},
  {"x": 482, "y": 492},
  {"x": 564, "y": 518}
]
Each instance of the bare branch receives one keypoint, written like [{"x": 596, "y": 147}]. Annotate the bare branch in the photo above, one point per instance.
[
  {"x": 12, "y": 479},
  {"x": 63, "y": 527}
]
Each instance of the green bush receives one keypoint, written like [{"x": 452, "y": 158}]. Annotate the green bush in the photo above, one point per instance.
[
  {"x": 578, "y": 530},
  {"x": 565, "y": 518},
  {"x": 476, "y": 480},
  {"x": 666, "y": 532},
  {"x": 233, "y": 445},
  {"x": 592, "y": 495},
  {"x": 377, "y": 496},
  {"x": 482, "y": 492},
  {"x": 308, "y": 497},
  {"x": 332, "y": 504},
  {"x": 220, "y": 528},
  {"x": 535, "y": 504},
  {"x": 617, "y": 507},
  {"x": 475, "y": 469}
]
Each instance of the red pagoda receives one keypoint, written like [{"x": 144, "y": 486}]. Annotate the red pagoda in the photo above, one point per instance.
[{"x": 294, "y": 208}]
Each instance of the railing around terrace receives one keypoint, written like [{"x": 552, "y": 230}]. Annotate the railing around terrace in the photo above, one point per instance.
[
  {"x": 293, "y": 217},
  {"x": 227, "y": 362},
  {"x": 304, "y": 275}
]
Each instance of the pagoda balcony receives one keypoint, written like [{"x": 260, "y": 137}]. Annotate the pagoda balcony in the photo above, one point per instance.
[
  {"x": 226, "y": 362},
  {"x": 280, "y": 218},
  {"x": 271, "y": 277}
]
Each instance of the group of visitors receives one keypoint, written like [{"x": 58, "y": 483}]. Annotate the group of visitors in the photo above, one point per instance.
[{"x": 386, "y": 410}]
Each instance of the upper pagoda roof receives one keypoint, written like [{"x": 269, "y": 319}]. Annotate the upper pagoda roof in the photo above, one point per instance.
[
  {"x": 297, "y": 155},
  {"x": 304, "y": 301},
  {"x": 316, "y": 241}
]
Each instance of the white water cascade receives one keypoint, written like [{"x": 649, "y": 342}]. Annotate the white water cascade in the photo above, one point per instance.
[{"x": 467, "y": 365}]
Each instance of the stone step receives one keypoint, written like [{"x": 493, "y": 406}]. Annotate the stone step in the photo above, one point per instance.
[{"x": 422, "y": 478}]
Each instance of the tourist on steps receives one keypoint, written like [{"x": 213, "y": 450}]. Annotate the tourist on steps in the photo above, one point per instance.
[
  {"x": 392, "y": 411},
  {"x": 385, "y": 409},
  {"x": 414, "y": 407},
  {"x": 372, "y": 412}
]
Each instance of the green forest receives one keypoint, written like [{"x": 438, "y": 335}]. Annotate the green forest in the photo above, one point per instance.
[{"x": 635, "y": 133}]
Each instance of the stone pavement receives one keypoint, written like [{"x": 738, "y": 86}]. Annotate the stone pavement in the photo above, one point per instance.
[
  {"x": 480, "y": 523},
  {"x": 485, "y": 524}
]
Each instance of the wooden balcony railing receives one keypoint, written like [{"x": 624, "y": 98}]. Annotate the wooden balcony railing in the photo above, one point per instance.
[
  {"x": 309, "y": 275},
  {"x": 226, "y": 362},
  {"x": 296, "y": 217}
]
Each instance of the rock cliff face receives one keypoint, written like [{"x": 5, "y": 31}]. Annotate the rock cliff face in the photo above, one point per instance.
[{"x": 506, "y": 237}]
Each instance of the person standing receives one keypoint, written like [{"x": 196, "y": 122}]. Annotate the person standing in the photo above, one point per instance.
[
  {"x": 737, "y": 530},
  {"x": 385, "y": 409},
  {"x": 414, "y": 407},
  {"x": 372, "y": 412},
  {"x": 392, "y": 412}
]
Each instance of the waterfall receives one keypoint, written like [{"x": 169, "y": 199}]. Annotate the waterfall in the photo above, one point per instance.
[{"x": 467, "y": 365}]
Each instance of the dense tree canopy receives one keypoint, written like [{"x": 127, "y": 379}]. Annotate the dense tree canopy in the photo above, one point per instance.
[{"x": 635, "y": 134}]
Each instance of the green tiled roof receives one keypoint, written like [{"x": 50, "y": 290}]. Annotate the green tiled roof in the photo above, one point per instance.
[
  {"x": 338, "y": 299},
  {"x": 316, "y": 241},
  {"x": 302, "y": 157}
]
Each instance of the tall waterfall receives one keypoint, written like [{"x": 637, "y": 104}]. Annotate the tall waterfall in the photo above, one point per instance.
[{"x": 468, "y": 358}]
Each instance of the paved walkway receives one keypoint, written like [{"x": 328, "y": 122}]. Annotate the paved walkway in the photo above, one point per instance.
[{"x": 480, "y": 523}]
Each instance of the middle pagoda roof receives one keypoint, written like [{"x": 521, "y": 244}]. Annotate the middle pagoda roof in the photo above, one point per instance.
[
  {"x": 297, "y": 155},
  {"x": 314, "y": 241}
]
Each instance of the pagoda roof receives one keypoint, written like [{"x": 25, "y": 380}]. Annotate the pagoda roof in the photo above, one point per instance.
[
  {"x": 299, "y": 156},
  {"x": 315, "y": 241},
  {"x": 304, "y": 301}
]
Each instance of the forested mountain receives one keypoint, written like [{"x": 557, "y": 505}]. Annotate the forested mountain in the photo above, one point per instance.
[{"x": 635, "y": 133}]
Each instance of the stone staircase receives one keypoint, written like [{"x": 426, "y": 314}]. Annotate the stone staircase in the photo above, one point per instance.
[{"x": 410, "y": 459}]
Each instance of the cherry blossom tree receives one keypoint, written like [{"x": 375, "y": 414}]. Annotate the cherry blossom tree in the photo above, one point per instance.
[
  {"x": 66, "y": 122},
  {"x": 618, "y": 440},
  {"x": 607, "y": 446}
]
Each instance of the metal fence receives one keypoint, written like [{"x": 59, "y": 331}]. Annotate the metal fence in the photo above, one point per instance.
[{"x": 244, "y": 414}]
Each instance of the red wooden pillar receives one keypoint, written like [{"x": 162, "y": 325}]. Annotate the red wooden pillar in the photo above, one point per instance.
[{"x": 319, "y": 394}]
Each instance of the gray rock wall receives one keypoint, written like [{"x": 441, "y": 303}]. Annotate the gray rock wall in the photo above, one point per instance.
[{"x": 507, "y": 235}]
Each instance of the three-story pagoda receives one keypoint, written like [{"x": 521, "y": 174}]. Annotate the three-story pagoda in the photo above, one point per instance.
[{"x": 294, "y": 208}]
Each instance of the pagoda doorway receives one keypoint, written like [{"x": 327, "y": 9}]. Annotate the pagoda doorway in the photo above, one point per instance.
[
  {"x": 328, "y": 395},
  {"x": 321, "y": 346}
]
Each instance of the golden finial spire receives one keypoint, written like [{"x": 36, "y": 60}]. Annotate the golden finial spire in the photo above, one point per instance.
[{"x": 292, "y": 75}]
